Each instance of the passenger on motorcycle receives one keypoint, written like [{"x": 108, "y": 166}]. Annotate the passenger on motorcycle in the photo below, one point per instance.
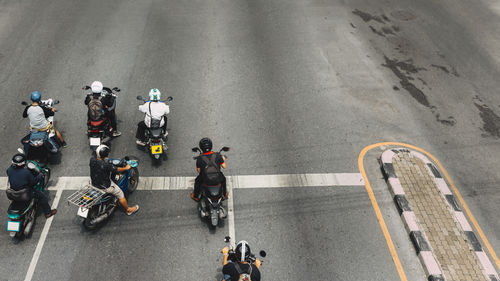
[
  {"x": 100, "y": 175},
  {"x": 38, "y": 115},
  {"x": 239, "y": 268},
  {"x": 154, "y": 109},
  {"x": 107, "y": 101},
  {"x": 21, "y": 178},
  {"x": 202, "y": 163}
]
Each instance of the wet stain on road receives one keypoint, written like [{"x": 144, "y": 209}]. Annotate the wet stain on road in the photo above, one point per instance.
[
  {"x": 368, "y": 17},
  {"x": 491, "y": 121}
]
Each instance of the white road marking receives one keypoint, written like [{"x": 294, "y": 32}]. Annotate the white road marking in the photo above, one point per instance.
[
  {"x": 230, "y": 215},
  {"x": 236, "y": 182},
  {"x": 39, "y": 246}
]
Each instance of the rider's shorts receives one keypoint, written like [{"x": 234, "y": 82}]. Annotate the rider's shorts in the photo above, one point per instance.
[{"x": 115, "y": 190}]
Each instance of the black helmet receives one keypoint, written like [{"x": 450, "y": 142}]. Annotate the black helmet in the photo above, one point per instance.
[
  {"x": 242, "y": 251},
  {"x": 19, "y": 160},
  {"x": 102, "y": 151},
  {"x": 205, "y": 144}
]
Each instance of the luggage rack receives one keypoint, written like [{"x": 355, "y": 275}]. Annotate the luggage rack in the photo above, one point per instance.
[{"x": 86, "y": 197}]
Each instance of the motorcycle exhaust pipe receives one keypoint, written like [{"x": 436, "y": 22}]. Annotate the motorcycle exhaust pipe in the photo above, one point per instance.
[{"x": 102, "y": 217}]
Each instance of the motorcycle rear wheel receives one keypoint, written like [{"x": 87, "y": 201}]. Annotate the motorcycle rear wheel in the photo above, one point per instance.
[
  {"x": 93, "y": 212},
  {"x": 134, "y": 180}
]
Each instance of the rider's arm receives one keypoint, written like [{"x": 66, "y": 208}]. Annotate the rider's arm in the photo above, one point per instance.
[
  {"x": 257, "y": 263},
  {"x": 223, "y": 165},
  {"x": 87, "y": 100},
  {"x": 123, "y": 169},
  {"x": 225, "y": 252},
  {"x": 25, "y": 112},
  {"x": 47, "y": 111}
]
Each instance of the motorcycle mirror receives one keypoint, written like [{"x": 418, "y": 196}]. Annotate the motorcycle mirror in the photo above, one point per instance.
[
  {"x": 263, "y": 253},
  {"x": 24, "y": 103},
  {"x": 116, "y": 89},
  {"x": 227, "y": 239},
  {"x": 225, "y": 148},
  {"x": 139, "y": 98},
  {"x": 195, "y": 149},
  {"x": 170, "y": 98},
  {"x": 86, "y": 87},
  {"x": 55, "y": 102}
]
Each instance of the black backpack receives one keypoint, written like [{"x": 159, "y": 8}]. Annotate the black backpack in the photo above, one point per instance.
[
  {"x": 211, "y": 174},
  {"x": 96, "y": 109},
  {"x": 244, "y": 275}
]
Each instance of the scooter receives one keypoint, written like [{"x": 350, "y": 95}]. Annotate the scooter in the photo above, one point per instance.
[
  {"x": 99, "y": 132},
  {"x": 94, "y": 205},
  {"x": 22, "y": 212},
  {"x": 42, "y": 146},
  {"x": 156, "y": 144},
  {"x": 210, "y": 201}
]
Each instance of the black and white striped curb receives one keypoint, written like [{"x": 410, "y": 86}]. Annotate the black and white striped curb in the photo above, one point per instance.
[{"x": 422, "y": 246}]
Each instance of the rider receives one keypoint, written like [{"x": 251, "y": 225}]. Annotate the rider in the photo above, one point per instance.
[
  {"x": 240, "y": 268},
  {"x": 21, "y": 178},
  {"x": 201, "y": 165},
  {"x": 38, "y": 115},
  {"x": 100, "y": 174},
  {"x": 108, "y": 101},
  {"x": 154, "y": 109}
]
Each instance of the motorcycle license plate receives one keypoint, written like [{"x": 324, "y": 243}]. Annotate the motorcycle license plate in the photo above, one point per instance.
[
  {"x": 156, "y": 149},
  {"x": 13, "y": 226},
  {"x": 83, "y": 212},
  {"x": 95, "y": 141}
]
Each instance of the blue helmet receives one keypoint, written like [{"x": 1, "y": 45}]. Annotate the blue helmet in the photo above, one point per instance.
[{"x": 36, "y": 96}]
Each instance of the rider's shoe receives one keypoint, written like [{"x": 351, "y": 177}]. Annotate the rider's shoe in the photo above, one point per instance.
[
  {"x": 52, "y": 212},
  {"x": 139, "y": 142},
  {"x": 116, "y": 133}
]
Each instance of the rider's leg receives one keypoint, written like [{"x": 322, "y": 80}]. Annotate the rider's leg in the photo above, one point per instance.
[
  {"x": 118, "y": 193},
  {"x": 44, "y": 203},
  {"x": 197, "y": 188},
  {"x": 141, "y": 131}
]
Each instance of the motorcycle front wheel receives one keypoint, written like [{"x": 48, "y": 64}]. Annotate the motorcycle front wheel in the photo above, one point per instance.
[{"x": 133, "y": 180}]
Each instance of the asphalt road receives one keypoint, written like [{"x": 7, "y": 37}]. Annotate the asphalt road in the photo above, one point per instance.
[{"x": 292, "y": 87}]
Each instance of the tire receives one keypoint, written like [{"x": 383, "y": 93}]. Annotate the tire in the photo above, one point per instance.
[
  {"x": 91, "y": 215},
  {"x": 133, "y": 180},
  {"x": 46, "y": 178}
]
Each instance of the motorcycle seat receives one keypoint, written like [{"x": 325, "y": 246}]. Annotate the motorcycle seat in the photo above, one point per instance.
[
  {"x": 97, "y": 123},
  {"x": 155, "y": 132},
  {"x": 19, "y": 207}
]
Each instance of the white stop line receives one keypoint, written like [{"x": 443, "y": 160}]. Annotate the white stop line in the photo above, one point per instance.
[{"x": 186, "y": 183}]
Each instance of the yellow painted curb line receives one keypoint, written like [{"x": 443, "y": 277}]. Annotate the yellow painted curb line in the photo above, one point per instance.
[{"x": 381, "y": 221}]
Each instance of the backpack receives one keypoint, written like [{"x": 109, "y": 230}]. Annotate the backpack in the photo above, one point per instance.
[
  {"x": 96, "y": 111},
  {"x": 211, "y": 173},
  {"x": 244, "y": 276}
]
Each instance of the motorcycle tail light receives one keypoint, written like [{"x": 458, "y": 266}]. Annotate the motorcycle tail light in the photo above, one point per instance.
[
  {"x": 156, "y": 141},
  {"x": 94, "y": 131}
]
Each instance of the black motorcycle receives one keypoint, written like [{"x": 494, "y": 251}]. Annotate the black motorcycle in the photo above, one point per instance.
[
  {"x": 99, "y": 131},
  {"x": 43, "y": 146},
  {"x": 23, "y": 209},
  {"x": 210, "y": 201},
  {"x": 156, "y": 144}
]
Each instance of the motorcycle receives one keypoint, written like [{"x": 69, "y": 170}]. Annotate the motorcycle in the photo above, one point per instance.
[
  {"x": 94, "y": 205},
  {"x": 22, "y": 211},
  {"x": 42, "y": 146},
  {"x": 210, "y": 202},
  {"x": 99, "y": 132},
  {"x": 155, "y": 143}
]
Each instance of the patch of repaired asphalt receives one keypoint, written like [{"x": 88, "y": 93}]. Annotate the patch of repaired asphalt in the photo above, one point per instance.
[{"x": 491, "y": 121}]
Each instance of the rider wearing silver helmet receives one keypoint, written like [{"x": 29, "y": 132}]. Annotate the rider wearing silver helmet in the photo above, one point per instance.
[
  {"x": 240, "y": 267},
  {"x": 155, "y": 111}
]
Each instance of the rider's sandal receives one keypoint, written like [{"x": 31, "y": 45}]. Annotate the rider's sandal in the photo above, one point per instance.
[{"x": 136, "y": 209}]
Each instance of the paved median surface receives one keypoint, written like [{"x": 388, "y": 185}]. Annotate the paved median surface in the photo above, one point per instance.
[{"x": 442, "y": 236}]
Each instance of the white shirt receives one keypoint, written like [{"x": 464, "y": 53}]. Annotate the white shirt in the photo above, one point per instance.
[{"x": 156, "y": 110}]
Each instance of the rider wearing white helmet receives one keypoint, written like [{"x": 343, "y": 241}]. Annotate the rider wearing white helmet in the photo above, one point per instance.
[
  {"x": 108, "y": 100},
  {"x": 156, "y": 114}
]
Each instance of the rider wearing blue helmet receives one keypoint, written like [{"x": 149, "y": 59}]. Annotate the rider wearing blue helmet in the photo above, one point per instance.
[{"x": 38, "y": 115}]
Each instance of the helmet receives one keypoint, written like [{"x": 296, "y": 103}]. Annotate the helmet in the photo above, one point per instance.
[
  {"x": 205, "y": 144},
  {"x": 102, "y": 151},
  {"x": 19, "y": 160},
  {"x": 36, "y": 96},
  {"x": 242, "y": 250},
  {"x": 96, "y": 87},
  {"x": 154, "y": 94}
]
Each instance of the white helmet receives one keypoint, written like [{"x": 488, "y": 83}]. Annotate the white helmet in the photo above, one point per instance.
[
  {"x": 96, "y": 87},
  {"x": 102, "y": 151},
  {"x": 154, "y": 94}
]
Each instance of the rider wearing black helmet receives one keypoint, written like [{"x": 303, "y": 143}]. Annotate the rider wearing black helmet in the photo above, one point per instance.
[
  {"x": 206, "y": 148},
  {"x": 238, "y": 266},
  {"x": 21, "y": 178},
  {"x": 100, "y": 175}
]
